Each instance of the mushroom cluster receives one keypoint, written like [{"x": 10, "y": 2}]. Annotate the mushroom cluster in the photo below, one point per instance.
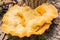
[{"x": 23, "y": 21}]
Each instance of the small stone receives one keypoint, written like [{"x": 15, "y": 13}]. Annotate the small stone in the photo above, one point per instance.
[
  {"x": 0, "y": 32},
  {"x": 54, "y": 35},
  {"x": 1, "y": 36},
  {"x": 54, "y": 39},
  {"x": 57, "y": 36},
  {"x": 59, "y": 33}
]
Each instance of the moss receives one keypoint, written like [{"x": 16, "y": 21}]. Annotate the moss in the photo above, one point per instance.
[{"x": 33, "y": 37}]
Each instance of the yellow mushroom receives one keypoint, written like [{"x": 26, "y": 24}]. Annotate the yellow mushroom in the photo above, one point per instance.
[{"x": 23, "y": 21}]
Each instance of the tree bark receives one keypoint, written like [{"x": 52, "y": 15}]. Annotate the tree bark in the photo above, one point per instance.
[{"x": 34, "y": 3}]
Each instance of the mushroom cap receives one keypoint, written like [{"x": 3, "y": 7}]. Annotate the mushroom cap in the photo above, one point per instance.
[{"x": 23, "y": 21}]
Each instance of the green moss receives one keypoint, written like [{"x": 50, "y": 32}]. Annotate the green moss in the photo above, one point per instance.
[
  {"x": 41, "y": 38},
  {"x": 33, "y": 37}
]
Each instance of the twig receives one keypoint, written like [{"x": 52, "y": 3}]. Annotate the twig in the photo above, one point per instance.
[
  {"x": 4, "y": 37},
  {"x": 5, "y": 2}
]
